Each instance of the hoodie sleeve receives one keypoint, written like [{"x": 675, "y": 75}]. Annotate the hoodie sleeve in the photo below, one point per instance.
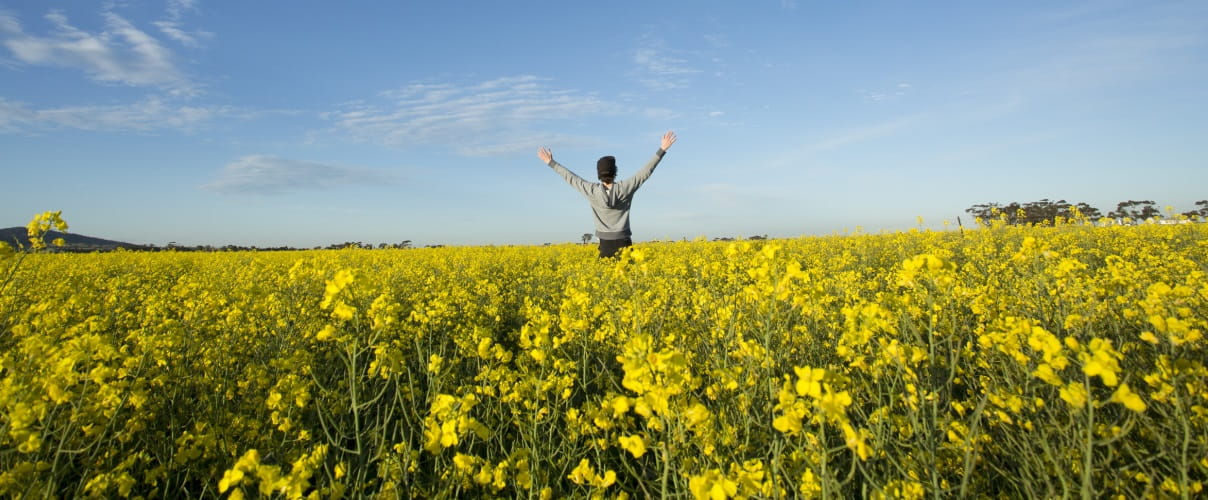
[
  {"x": 580, "y": 185},
  {"x": 633, "y": 183}
]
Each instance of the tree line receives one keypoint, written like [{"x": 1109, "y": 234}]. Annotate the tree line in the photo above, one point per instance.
[{"x": 1045, "y": 210}]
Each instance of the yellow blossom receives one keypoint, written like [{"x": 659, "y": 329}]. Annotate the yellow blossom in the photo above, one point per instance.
[{"x": 1129, "y": 399}]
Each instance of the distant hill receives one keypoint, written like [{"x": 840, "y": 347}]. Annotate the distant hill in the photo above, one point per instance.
[{"x": 74, "y": 242}]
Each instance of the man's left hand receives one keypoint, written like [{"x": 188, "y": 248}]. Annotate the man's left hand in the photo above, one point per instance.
[{"x": 668, "y": 140}]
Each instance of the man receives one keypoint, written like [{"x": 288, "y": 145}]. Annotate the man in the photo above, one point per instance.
[{"x": 610, "y": 201}]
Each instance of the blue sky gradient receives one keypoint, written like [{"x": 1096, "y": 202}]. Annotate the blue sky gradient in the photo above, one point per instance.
[{"x": 308, "y": 123}]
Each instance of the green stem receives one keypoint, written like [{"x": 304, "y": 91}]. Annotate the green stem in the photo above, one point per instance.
[{"x": 1088, "y": 445}]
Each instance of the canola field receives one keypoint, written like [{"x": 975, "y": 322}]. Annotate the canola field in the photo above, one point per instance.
[{"x": 1063, "y": 361}]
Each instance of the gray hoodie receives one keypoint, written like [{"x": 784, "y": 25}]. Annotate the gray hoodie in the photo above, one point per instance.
[{"x": 610, "y": 206}]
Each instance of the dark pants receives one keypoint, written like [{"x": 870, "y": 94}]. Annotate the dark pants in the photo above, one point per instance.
[{"x": 609, "y": 248}]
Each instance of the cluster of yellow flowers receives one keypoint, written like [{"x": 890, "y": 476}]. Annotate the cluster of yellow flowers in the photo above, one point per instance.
[{"x": 1048, "y": 361}]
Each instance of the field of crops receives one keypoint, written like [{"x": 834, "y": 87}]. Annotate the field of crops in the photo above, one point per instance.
[{"x": 1003, "y": 361}]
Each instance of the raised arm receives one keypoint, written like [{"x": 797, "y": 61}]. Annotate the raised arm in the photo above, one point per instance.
[
  {"x": 633, "y": 183},
  {"x": 575, "y": 181}
]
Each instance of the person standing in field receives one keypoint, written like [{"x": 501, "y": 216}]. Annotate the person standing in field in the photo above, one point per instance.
[{"x": 610, "y": 201}]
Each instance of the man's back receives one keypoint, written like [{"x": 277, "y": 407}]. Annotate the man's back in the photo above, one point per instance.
[{"x": 610, "y": 202}]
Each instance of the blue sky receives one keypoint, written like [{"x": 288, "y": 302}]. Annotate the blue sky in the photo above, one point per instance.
[{"x": 307, "y": 123}]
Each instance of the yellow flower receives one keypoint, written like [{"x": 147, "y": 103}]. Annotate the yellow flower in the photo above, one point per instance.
[
  {"x": 834, "y": 404},
  {"x": 326, "y": 333},
  {"x": 1129, "y": 399},
  {"x": 809, "y": 381},
  {"x": 809, "y": 485},
  {"x": 1045, "y": 372},
  {"x": 343, "y": 311},
  {"x": 585, "y": 475},
  {"x": 342, "y": 279},
  {"x": 788, "y": 423},
  {"x": 635, "y": 445},
  {"x": 620, "y": 406},
  {"x": 857, "y": 440},
  {"x": 1074, "y": 394},
  {"x": 1101, "y": 361},
  {"x": 712, "y": 485},
  {"x": 448, "y": 434}
]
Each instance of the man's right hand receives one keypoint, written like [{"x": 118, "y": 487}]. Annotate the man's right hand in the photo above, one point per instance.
[{"x": 546, "y": 155}]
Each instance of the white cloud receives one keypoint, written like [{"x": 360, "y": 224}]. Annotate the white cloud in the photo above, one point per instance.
[
  {"x": 717, "y": 41},
  {"x": 13, "y": 117},
  {"x": 9, "y": 23},
  {"x": 121, "y": 53},
  {"x": 259, "y": 174},
  {"x": 899, "y": 90},
  {"x": 660, "y": 113},
  {"x": 1101, "y": 45},
  {"x": 658, "y": 70},
  {"x": 1112, "y": 60},
  {"x": 740, "y": 198},
  {"x": 173, "y": 27},
  {"x": 492, "y": 117},
  {"x": 808, "y": 153},
  {"x": 174, "y": 31},
  {"x": 148, "y": 115},
  {"x": 178, "y": 8},
  {"x": 861, "y": 134},
  {"x": 717, "y": 114}
]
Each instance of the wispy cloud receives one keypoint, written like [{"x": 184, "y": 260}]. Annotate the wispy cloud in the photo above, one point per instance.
[
  {"x": 1112, "y": 60},
  {"x": 178, "y": 8},
  {"x": 1099, "y": 45},
  {"x": 738, "y": 197},
  {"x": 861, "y": 134},
  {"x": 120, "y": 53},
  {"x": 718, "y": 41},
  {"x": 898, "y": 91},
  {"x": 659, "y": 68},
  {"x": 492, "y": 117},
  {"x": 148, "y": 115},
  {"x": 174, "y": 31},
  {"x": 259, "y": 174},
  {"x": 174, "y": 28},
  {"x": 808, "y": 153}
]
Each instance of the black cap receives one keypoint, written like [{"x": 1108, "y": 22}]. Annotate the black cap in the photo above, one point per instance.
[{"x": 606, "y": 166}]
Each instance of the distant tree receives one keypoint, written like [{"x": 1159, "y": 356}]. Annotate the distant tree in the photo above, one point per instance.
[
  {"x": 1135, "y": 210},
  {"x": 1202, "y": 212},
  {"x": 1088, "y": 211},
  {"x": 1038, "y": 212},
  {"x": 984, "y": 211},
  {"x": 1033, "y": 212},
  {"x": 586, "y": 238}
]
